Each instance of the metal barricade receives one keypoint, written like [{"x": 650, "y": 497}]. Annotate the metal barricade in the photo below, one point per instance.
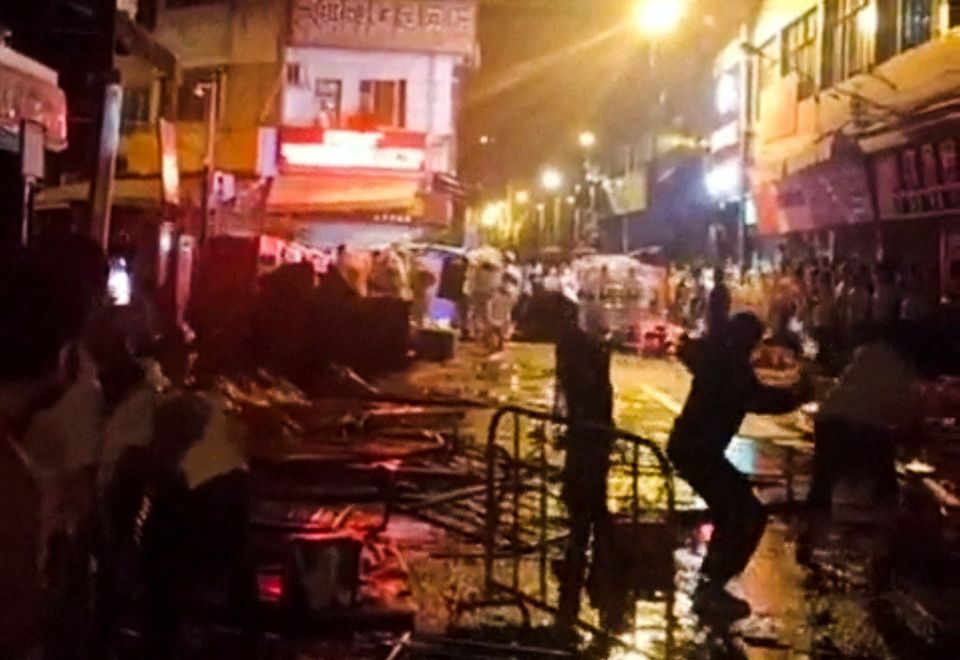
[{"x": 521, "y": 508}]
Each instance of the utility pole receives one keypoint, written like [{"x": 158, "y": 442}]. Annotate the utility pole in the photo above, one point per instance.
[
  {"x": 109, "y": 102},
  {"x": 211, "y": 90}
]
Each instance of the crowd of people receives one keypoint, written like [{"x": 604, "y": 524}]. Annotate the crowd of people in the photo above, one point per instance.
[
  {"x": 116, "y": 486},
  {"x": 872, "y": 326},
  {"x": 819, "y": 307}
]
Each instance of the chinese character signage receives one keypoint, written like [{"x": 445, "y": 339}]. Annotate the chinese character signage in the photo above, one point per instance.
[
  {"x": 830, "y": 193},
  {"x": 918, "y": 179},
  {"x": 443, "y": 26}
]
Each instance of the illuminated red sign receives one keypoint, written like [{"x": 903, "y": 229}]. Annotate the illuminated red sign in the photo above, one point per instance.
[
  {"x": 25, "y": 97},
  {"x": 403, "y": 151}
]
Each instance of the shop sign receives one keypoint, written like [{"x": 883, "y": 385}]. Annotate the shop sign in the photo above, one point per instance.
[
  {"x": 825, "y": 195},
  {"x": 26, "y": 98},
  {"x": 418, "y": 25},
  {"x": 919, "y": 179},
  {"x": 402, "y": 151}
]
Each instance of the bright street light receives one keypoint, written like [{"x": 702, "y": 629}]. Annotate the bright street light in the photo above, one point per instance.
[
  {"x": 492, "y": 214},
  {"x": 658, "y": 18},
  {"x": 522, "y": 197},
  {"x": 551, "y": 179},
  {"x": 587, "y": 139}
]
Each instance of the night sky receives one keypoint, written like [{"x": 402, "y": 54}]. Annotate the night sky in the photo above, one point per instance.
[{"x": 552, "y": 68}]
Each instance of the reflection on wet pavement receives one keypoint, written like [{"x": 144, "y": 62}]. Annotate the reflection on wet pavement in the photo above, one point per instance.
[{"x": 796, "y": 613}]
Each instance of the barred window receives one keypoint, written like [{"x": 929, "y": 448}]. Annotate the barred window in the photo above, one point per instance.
[
  {"x": 849, "y": 39},
  {"x": 799, "y": 47}
]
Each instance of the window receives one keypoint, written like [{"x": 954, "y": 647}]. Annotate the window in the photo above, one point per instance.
[
  {"x": 888, "y": 29},
  {"x": 384, "y": 102},
  {"x": 917, "y": 23},
  {"x": 848, "y": 39},
  {"x": 191, "y": 103},
  {"x": 329, "y": 94},
  {"x": 953, "y": 13},
  {"x": 800, "y": 52},
  {"x": 294, "y": 74},
  {"x": 136, "y": 107},
  {"x": 769, "y": 64}
]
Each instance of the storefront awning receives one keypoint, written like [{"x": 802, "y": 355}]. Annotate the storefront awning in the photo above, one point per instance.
[
  {"x": 29, "y": 91},
  {"x": 142, "y": 193}
]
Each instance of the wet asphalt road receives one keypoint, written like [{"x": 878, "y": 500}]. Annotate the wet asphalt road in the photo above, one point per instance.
[{"x": 796, "y": 613}]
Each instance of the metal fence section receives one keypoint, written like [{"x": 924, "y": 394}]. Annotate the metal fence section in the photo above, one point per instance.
[{"x": 526, "y": 527}]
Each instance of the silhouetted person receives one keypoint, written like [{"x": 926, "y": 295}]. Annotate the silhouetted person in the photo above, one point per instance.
[
  {"x": 43, "y": 305},
  {"x": 725, "y": 388},
  {"x": 583, "y": 375},
  {"x": 718, "y": 304}
]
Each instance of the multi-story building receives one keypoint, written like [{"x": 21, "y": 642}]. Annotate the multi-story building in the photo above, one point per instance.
[
  {"x": 368, "y": 115},
  {"x": 348, "y": 108},
  {"x": 848, "y": 109}
]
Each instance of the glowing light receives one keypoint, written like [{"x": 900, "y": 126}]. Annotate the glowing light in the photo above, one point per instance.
[
  {"x": 551, "y": 179},
  {"x": 587, "y": 139},
  {"x": 352, "y": 149},
  {"x": 485, "y": 140},
  {"x": 166, "y": 240},
  {"x": 725, "y": 137},
  {"x": 723, "y": 181},
  {"x": 728, "y": 94},
  {"x": 118, "y": 282},
  {"x": 492, "y": 214},
  {"x": 868, "y": 20},
  {"x": 571, "y": 200},
  {"x": 658, "y": 18},
  {"x": 522, "y": 197},
  {"x": 270, "y": 586}
]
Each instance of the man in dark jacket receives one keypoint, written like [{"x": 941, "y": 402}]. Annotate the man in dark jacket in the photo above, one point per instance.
[
  {"x": 725, "y": 388},
  {"x": 583, "y": 377}
]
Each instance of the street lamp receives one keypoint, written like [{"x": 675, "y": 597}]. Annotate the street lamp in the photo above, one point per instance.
[
  {"x": 522, "y": 197},
  {"x": 587, "y": 140},
  {"x": 658, "y": 18},
  {"x": 551, "y": 179}
]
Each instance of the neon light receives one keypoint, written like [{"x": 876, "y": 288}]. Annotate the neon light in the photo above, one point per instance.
[{"x": 352, "y": 149}]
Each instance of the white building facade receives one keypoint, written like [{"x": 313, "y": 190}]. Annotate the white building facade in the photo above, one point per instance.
[{"x": 368, "y": 120}]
